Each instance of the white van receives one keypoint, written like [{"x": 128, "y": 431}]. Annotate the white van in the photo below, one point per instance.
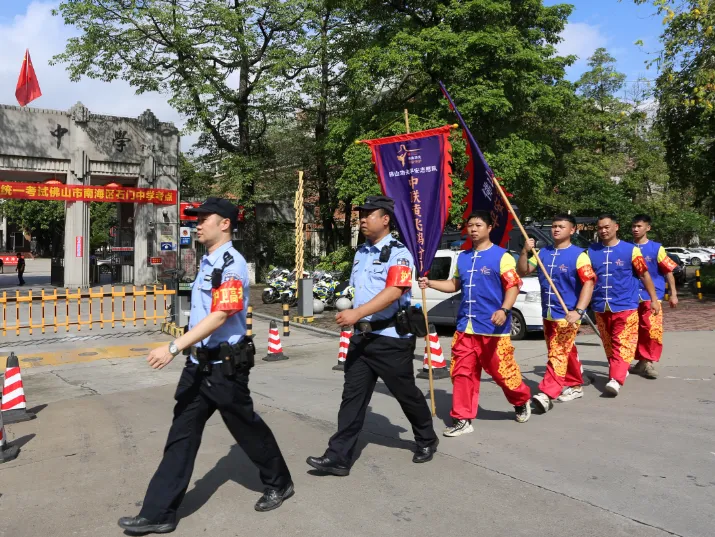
[{"x": 442, "y": 308}]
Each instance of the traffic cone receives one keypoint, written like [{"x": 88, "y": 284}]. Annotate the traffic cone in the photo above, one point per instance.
[
  {"x": 439, "y": 365},
  {"x": 7, "y": 452},
  {"x": 14, "y": 405},
  {"x": 275, "y": 349},
  {"x": 345, "y": 336}
]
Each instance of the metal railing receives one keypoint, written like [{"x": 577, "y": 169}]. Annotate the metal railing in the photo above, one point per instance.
[{"x": 32, "y": 311}]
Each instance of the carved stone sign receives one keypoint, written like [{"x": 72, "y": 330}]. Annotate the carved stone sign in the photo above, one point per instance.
[
  {"x": 58, "y": 133},
  {"x": 120, "y": 140}
]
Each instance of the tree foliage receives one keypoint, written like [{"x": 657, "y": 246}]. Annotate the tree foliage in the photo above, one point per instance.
[{"x": 281, "y": 85}]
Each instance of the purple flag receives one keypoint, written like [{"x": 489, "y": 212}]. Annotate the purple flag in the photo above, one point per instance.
[
  {"x": 415, "y": 170},
  {"x": 482, "y": 195}
]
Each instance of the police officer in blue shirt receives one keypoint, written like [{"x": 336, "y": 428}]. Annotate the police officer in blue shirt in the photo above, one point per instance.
[
  {"x": 215, "y": 378},
  {"x": 382, "y": 277}
]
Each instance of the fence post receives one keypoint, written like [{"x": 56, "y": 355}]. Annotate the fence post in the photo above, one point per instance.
[
  {"x": 698, "y": 285},
  {"x": 286, "y": 319}
]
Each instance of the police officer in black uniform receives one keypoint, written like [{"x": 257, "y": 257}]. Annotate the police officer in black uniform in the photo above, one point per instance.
[
  {"x": 381, "y": 347},
  {"x": 215, "y": 378}
]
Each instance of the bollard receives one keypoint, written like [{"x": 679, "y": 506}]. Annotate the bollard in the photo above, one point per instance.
[
  {"x": 667, "y": 291},
  {"x": 698, "y": 285},
  {"x": 249, "y": 321},
  {"x": 286, "y": 320}
]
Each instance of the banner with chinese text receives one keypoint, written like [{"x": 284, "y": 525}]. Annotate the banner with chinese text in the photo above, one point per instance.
[
  {"x": 482, "y": 195},
  {"x": 41, "y": 191},
  {"x": 415, "y": 170}
]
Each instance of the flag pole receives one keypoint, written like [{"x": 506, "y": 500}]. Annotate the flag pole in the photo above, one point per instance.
[
  {"x": 424, "y": 308},
  {"x": 505, "y": 198}
]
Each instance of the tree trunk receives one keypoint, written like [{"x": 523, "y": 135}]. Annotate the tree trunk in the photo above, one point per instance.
[{"x": 325, "y": 194}]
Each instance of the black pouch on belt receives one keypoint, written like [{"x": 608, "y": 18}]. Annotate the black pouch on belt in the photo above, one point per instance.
[
  {"x": 411, "y": 320},
  {"x": 245, "y": 353},
  {"x": 225, "y": 354}
]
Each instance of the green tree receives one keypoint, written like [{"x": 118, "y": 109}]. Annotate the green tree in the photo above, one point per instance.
[
  {"x": 218, "y": 61},
  {"x": 685, "y": 88}
]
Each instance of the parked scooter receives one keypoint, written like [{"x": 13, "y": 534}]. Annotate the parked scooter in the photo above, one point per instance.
[{"x": 277, "y": 283}]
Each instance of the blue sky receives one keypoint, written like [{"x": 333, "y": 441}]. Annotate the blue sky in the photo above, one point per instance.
[
  {"x": 616, "y": 26},
  {"x": 28, "y": 23}
]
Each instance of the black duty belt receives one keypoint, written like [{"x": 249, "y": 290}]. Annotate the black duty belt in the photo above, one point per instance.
[
  {"x": 372, "y": 326},
  {"x": 205, "y": 355}
]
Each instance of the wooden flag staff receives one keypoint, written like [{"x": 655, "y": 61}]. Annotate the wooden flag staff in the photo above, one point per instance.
[{"x": 505, "y": 198}]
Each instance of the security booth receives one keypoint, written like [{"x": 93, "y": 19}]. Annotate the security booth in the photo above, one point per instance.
[{"x": 78, "y": 158}]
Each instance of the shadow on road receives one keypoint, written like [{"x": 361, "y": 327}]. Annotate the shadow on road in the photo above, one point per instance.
[
  {"x": 23, "y": 440},
  {"x": 234, "y": 466}
]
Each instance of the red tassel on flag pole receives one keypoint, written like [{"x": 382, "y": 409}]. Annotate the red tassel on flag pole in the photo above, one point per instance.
[{"x": 28, "y": 88}]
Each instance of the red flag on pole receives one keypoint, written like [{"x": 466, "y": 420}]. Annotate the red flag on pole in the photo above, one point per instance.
[{"x": 28, "y": 89}]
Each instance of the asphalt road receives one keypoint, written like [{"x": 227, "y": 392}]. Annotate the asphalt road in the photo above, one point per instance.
[{"x": 639, "y": 465}]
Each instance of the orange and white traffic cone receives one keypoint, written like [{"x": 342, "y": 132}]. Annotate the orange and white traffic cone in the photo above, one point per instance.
[
  {"x": 345, "y": 336},
  {"x": 8, "y": 452},
  {"x": 275, "y": 349},
  {"x": 14, "y": 405},
  {"x": 439, "y": 364}
]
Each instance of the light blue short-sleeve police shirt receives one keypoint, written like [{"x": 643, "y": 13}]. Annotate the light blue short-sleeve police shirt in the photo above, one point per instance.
[
  {"x": 369, "y": 276},
  {"x": 233, "y": 330}
]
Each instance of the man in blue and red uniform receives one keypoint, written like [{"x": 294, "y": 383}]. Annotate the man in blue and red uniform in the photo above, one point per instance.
[
  {"x": 489, "y": 283},
  {"x": 382, "y": 278},
  {"x": 619, "y": 266},
  {"x": 570, "y": 270},
  {"x": 650, "y": 326}
]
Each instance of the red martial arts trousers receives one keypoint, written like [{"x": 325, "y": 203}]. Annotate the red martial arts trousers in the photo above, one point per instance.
[
  {"x": 650, "y": 333},
  {"x": 564, "y": 367},
  {"x": 472, "y": 353},
  {"x": 619, "y": 333}
]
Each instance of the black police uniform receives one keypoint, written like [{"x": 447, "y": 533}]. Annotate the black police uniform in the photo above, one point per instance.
[
  {"x": 215, "y": 378},
  {"x": 377, "y": 350}
]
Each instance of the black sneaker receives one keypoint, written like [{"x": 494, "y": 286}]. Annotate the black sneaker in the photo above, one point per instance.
[{"x": 523, "y": 412}]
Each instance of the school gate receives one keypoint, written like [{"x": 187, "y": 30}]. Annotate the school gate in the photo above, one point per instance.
[{"x": 78, "y": 157}]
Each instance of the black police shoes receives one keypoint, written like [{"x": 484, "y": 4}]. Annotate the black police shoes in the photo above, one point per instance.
[
  {"x": 137, "y": 525},
  {"x": 424, "y": 454},
  {"x": 328, "y": 465},
  {"x": 273, "y": 499}
]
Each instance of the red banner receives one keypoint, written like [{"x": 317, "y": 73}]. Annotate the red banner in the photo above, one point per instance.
[{"x": 41, "y": 191}]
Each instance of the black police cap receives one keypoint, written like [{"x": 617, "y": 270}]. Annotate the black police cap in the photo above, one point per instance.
[
  {"x": 219, "y": 206},
  {"x": 378, "y": 202}
]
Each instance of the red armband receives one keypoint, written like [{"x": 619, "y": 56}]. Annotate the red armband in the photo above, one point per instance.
[
  {"x": 667, "y": 265},
  {"x": 228, "y": 297},
  {"x": 639, "y": 265},
  {"x": 510, "y": 279},
  {"x": 586, "y": 273},
  {"x": 399, "y": 276}
]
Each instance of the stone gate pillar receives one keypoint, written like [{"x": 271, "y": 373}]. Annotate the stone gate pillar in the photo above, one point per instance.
[{"x": 77, "y": 230}]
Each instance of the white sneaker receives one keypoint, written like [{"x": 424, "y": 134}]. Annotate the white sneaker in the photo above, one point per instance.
[
  {"x": 570, "y": 393},
  {"x": 543, "y": 402},
  {"x": 613, "y": 387},
  {"x": 459, "y": 428}
]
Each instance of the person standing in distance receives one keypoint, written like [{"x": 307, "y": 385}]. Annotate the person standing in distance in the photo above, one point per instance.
[
  {"x": 650, "y": 327},
  {"x": 489, "y": 283},
  {"x": 382, "y": 278},
  {"x": 215, "y": 378},
  {"x": 570, "y": 269},
  {"x": 20, "y": 268},
  {"x": 618, "y": 266}
]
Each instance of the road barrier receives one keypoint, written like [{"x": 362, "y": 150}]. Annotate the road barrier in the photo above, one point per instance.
[{"x": 40, "y": 311}]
